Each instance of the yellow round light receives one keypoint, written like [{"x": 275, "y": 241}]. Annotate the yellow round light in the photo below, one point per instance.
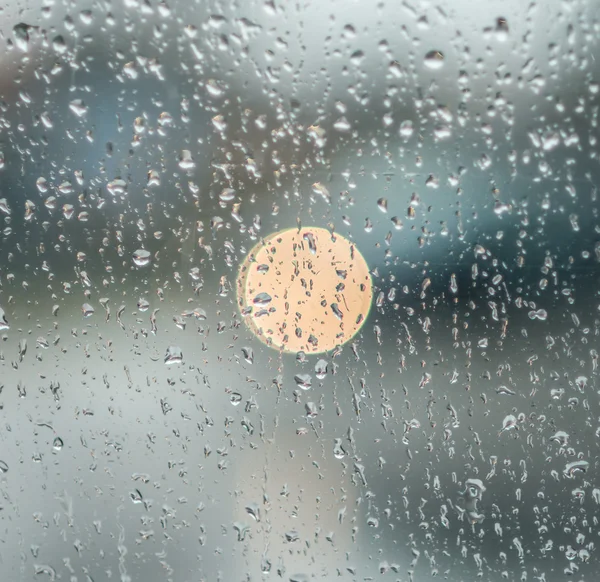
[{"x": 304, "y": 290}]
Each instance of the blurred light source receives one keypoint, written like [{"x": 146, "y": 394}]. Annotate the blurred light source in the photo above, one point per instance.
[{"x": 305, "y": 290}]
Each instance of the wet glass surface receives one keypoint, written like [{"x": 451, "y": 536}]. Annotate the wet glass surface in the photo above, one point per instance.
[{"x": 147, "y": 149}]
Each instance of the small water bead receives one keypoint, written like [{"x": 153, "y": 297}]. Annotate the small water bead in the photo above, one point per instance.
[
  {"x": 173, "y": 355},
  {"x": 142, "y": 257},
  {"x": 575, "y": 468},
  {"x": 4, "y": 325},
  {"x": 434, "y": 60},
  {"x": 87, "y": 310},
  {"x": 304, "y": 381},
  {"x": 321, "y": 369},
  {"x": 262, "y": 299}
]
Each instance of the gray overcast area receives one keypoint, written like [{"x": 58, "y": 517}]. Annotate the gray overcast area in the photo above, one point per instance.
[{"x": 147, "y": 434}]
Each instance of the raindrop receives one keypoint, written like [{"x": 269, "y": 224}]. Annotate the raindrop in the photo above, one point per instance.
[
  {"x": 142, "y": 257},
  {"x": 434, "y": 60},
  {"x": 219, "y": 123},
  {"x": 337, "y": 311},
  {"x": 382, "y": 203},
  {"x": 78, "y": 107},
  {"x": 42, "y": 185},
  {"x": 57, "y": 444},
  {"x": 453, "y": 284},
  {"x": 357, "y": 57},
  {"x": 254, "y": 510},
  {"x": 406, "y": 129},
  {"x": 575, "y": 468},
  {"x": 87, "y": 310},
  {"x": 186, "y": 161},
  {"x": 136, "y": 496},
  {"x": 338, "y": 449},
  {"x": 581, "y": 382},
  {"x": 213, "y": 88},
  {"x": 561, "y": 437},
  {"x": 174, "y": 355},
  {"x": 22, "y": 349},
  {"x": 501, "y": 29},
  {"x": 45, "y": 569},
  {"x": 41, "y": 342},
  {"x": 262, "y": 299},
  {"x": 539, "y": 314},
  {"x": 248, "y": 354},
  {"x": 509, "y": 423},
  {"x": 117, "y": 187},
  {"x": 304, "y": 381},
  {"x": 21, "y": 32},
  {"x": 227, "y": 195},
  {"x": 321, "y": 369},
  {"x": 342, "y": 125},
  {"x": 3, "y": 321},
  {"x": 130, "y": 71}
]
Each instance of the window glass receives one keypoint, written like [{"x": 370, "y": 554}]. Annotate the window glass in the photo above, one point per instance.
[{"x": 299, "y": 290}]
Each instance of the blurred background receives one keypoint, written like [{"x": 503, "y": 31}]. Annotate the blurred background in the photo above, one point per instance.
[{"x": 146, "y": 147}]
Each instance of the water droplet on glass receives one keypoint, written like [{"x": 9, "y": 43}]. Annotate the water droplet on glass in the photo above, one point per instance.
[
  {"x": 575, "y": 468},
  {"x": 21, "y": 33},
  {"x": 434, "y": 60},
  {"x": 509, "y": 422},
  {"x": 42, "y": 342},
  {"x": 338, "y": 449},
  {"x": 227, "y": 195},
  {"x": 87, "y": 310},
  {"x": 3, "y": 321},
  {"x": 254, "y": 510},
  {"x": 581, "y": 382},
  {"x": 561, "y": 437},
  {"x": 406, "y": 129},
  {"x": 262, "y": 299},
  {"x": 342, "y": 125},
  {"x": 174, "y": 355},
  {"x": 78, "y": 107},
  {"x": 382, "y": 203},
  {"x": 117, "y": 187},
  {"x": 304, "y": 381},
  {"x": 501, "y": 29},
  {"x": 539, "y": 314},
  {"x": 57, "y": 444},
  {"x": 248, "y": 354},
  {"x": 142, "y": 257},
  {"x": 321, "y": 369},
  {"x": 219, "y": 123},
  {"x": 186, "y": 162}
]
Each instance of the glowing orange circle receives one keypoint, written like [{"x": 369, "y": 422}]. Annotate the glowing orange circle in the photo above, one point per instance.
[{"x": 304, "y": 290}]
